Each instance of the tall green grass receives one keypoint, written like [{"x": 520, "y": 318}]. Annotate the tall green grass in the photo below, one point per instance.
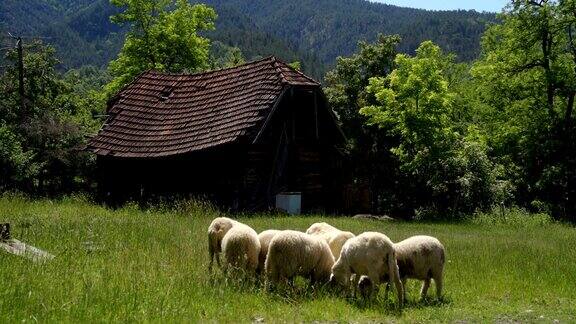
[{"x": 130, "y": 265}]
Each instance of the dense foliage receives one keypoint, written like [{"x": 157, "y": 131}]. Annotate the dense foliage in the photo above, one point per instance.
[
  {"x": 447, "y": 166},
  {"x": 466, "y": 137},
  {"x": 526, "y": 82},
  {"x": 160, "y": 38},
  {"x": 42, "y": 136}
]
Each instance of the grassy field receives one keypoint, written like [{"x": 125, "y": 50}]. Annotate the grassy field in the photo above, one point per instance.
[{"x": 133, "y": 265}]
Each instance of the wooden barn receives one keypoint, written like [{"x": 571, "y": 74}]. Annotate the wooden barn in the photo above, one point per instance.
[{"x": 237, "y": 136}]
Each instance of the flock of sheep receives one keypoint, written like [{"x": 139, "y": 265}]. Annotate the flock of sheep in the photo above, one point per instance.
[{"x": 326, "y": 254}]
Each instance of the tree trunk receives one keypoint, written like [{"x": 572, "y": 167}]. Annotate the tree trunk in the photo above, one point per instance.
[
  {"x": 550, "y": 90},
  {"x": 569, "y": 109}
]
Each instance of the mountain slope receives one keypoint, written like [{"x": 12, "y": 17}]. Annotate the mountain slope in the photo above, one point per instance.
[
  {"x": 331, "y": 28},
  {"x": 314, "y": 32},
  {"x": 83, "y": 34}
]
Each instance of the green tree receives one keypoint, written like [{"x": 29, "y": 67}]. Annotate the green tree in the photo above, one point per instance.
[
  {"x": 447, "y": 166},
  {"x": 526, "y": 81},
  {"x": 346, "y": 83},
  {"x": 223, "y": 56},
  {"x": 41, "y": 147},
  {"x": 163, "y": 36},
  {"x": 370, "y": 164},
  {"x": 414, "y": 102}
]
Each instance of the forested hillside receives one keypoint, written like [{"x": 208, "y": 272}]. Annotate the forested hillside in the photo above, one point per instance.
[
  {"x": 313, "y": 32},
  {"x": 331, "y": 28},
  {"x": 83, "y": 34}
]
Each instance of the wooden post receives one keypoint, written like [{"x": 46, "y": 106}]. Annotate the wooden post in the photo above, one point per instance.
[
  {"x": 4, "y": 232},
  {"x": 21, "y": 78}
]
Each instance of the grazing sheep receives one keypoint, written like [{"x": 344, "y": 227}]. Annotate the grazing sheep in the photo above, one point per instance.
[
  {"x": 241, "y": 248},
  {"x": 265, "y": 238},
  {"x": 216, "y": 231},
  {"x": 293, "y": 253},
  {"x": 333, "y": 236},
  {"x": 369, "y": 254},
  {"x": 421, "y": 257}
]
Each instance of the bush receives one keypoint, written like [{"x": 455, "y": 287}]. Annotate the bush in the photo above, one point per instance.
[{"x": 517, "y": 217}]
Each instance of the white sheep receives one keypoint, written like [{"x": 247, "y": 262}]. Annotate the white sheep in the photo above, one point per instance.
[
  {"x": 293, "y": 253},
  {"x": 216, "y": 231},
  {"x": 241, "y": 248},
  {"x": 369, "y": 254},
  {"x": 333, "y": 236},
  {"x": 421, "y": 257},
  {"x": 265, "y": 238}
]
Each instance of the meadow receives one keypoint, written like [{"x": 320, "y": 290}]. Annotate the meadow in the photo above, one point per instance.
[{"x": 133, "y": 265}]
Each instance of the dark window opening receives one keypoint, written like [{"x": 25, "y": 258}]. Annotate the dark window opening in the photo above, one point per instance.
[{"x": 165, "y": 93}]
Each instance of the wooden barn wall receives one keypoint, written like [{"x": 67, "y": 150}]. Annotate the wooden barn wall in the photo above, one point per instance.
[
  {"x": 297, "y": 153},
  {"x": 213, "y": 174}
]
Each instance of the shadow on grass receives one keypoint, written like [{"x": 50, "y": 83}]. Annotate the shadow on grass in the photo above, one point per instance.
[
  {"x": 302, "y": 290},
  {"x": 299, "y": 291},
  {"x": 389, "y": 305}
]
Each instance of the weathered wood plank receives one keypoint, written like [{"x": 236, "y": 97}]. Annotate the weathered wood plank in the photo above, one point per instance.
[{"x": 22, "y": 249}]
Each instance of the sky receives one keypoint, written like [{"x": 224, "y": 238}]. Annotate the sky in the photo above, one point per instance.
[{"x": 478, "y": 5}]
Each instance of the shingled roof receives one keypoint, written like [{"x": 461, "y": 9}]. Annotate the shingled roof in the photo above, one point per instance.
[{"x": 161, "y": 114}]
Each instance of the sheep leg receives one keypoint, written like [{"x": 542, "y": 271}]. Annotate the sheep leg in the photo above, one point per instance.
[
  {"x": 387, "y": 290},
  {"x": 375, "y": 278},
  {"x": 272, "y": 278},
  {"x": 354, "y": 279},
  {"x": 210, "y": 254},
  {"x": 395, "y": 277},
  {"x": 425, "y": 287},
  {"x": 404, "y": 281},
  {"x": 217, "y": 257},
  {"x": 438, "y": 281}
]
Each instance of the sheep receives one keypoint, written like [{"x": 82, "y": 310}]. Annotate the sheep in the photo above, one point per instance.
[
  {"x": 333, "y": 236},
  {"x": 421, "y": 257},
  {"x": 293, "y": 253},
  {"x": 369, "y": 254},
  {"x": 241, "y": 248},
  {"x": 216, "y": 231},
  {"x": 264, "y": 238}
]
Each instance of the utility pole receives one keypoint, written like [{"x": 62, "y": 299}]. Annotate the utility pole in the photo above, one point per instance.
[
  {"x": 20, "y": 51},
  {"x": 21, "y": 78}
]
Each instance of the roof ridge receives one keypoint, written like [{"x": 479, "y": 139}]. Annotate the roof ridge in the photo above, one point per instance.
[
  {"x": 280, "y": 62},
  {"x": 278, "y": 70},
  {"x": 255, "y": 62},
  {"x": 276, "y": 63}
]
